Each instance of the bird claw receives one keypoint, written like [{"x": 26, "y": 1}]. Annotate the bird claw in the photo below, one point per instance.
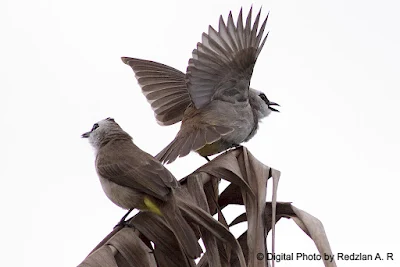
[
  {"x": 123, "y": 221},
  {"x": 234, "y": 147},
  {"x": 206, "y": 158}
]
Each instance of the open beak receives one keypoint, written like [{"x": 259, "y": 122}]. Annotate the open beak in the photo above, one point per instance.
[
  {"x": 273, "y": 104},
  {"x": 85, "y": 135}
]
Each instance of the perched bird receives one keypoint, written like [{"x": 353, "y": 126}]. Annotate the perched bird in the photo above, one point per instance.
[
  {"x": 213, "y": 99},
  {"x": 131, "y": 178}
]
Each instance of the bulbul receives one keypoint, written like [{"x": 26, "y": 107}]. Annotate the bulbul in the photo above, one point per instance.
[
  {"x": 131, "y": 178},
  {"x": 213, "y": 99}
]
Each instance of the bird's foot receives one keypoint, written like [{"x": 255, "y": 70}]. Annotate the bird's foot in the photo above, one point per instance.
[
  {"x": 123, "y": 221},
  {"x": 206, "y": 158},
  {"x": 236, "y": 146},
  {"x": 233, "y": 147}
]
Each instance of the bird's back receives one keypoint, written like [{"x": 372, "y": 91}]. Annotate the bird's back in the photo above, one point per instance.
[{"x": 123, "y": 163}]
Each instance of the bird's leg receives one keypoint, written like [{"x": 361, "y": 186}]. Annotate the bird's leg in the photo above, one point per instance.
[
  {"x": 206, "y": 158},
  {"x": 122, "y": 221},
  {"x": 235, "y": 146}
]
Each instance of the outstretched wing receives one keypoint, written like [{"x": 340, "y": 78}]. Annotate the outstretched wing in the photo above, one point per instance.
[
  {"x": 164, "y": 87},
  {"x": 222, "y": 64}
]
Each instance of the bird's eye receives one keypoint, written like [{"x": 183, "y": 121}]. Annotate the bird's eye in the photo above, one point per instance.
[
  {"x": 95, "y": 126},
  {"x": 264, "y": 97}
]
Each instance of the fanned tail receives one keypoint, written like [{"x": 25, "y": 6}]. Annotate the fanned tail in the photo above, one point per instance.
[{"x": 191, "y": 141}]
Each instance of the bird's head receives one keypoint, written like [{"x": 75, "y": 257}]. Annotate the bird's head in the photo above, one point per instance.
[
  {"x": 260, "y": 103},
  {"x": 104, "y": 131}
]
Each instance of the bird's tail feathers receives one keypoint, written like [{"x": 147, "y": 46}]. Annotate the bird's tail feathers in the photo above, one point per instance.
[
  {"x": 193, "y": 140},
  {"x": 181, "y": 228}
]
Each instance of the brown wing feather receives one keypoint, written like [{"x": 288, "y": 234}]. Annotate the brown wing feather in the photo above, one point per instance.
[
  {"x": 164, "y": 87},
  {"x": 228, "y": 54},
  {"x": 125, "y": 164}
]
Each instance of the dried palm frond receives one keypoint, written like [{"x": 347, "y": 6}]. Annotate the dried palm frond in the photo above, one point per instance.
[{"x": 132, "y": 246}]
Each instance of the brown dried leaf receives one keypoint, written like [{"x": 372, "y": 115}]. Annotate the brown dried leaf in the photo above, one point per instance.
[
  {"x": 154, "y": 228},
  {"x": 102, "y": 257},
  {"x": 124, "y": 242},
  {"x": 117, "y": 251},
  {"x": 316, "y": 231}
]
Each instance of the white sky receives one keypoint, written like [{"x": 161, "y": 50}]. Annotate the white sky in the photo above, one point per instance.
[{"x": 333, "y": 66}]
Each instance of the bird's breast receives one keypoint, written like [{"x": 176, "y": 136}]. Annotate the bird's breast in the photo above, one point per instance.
[
  {"x": 238, "y": 116},
  {"x": 122, "y": 196}
]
